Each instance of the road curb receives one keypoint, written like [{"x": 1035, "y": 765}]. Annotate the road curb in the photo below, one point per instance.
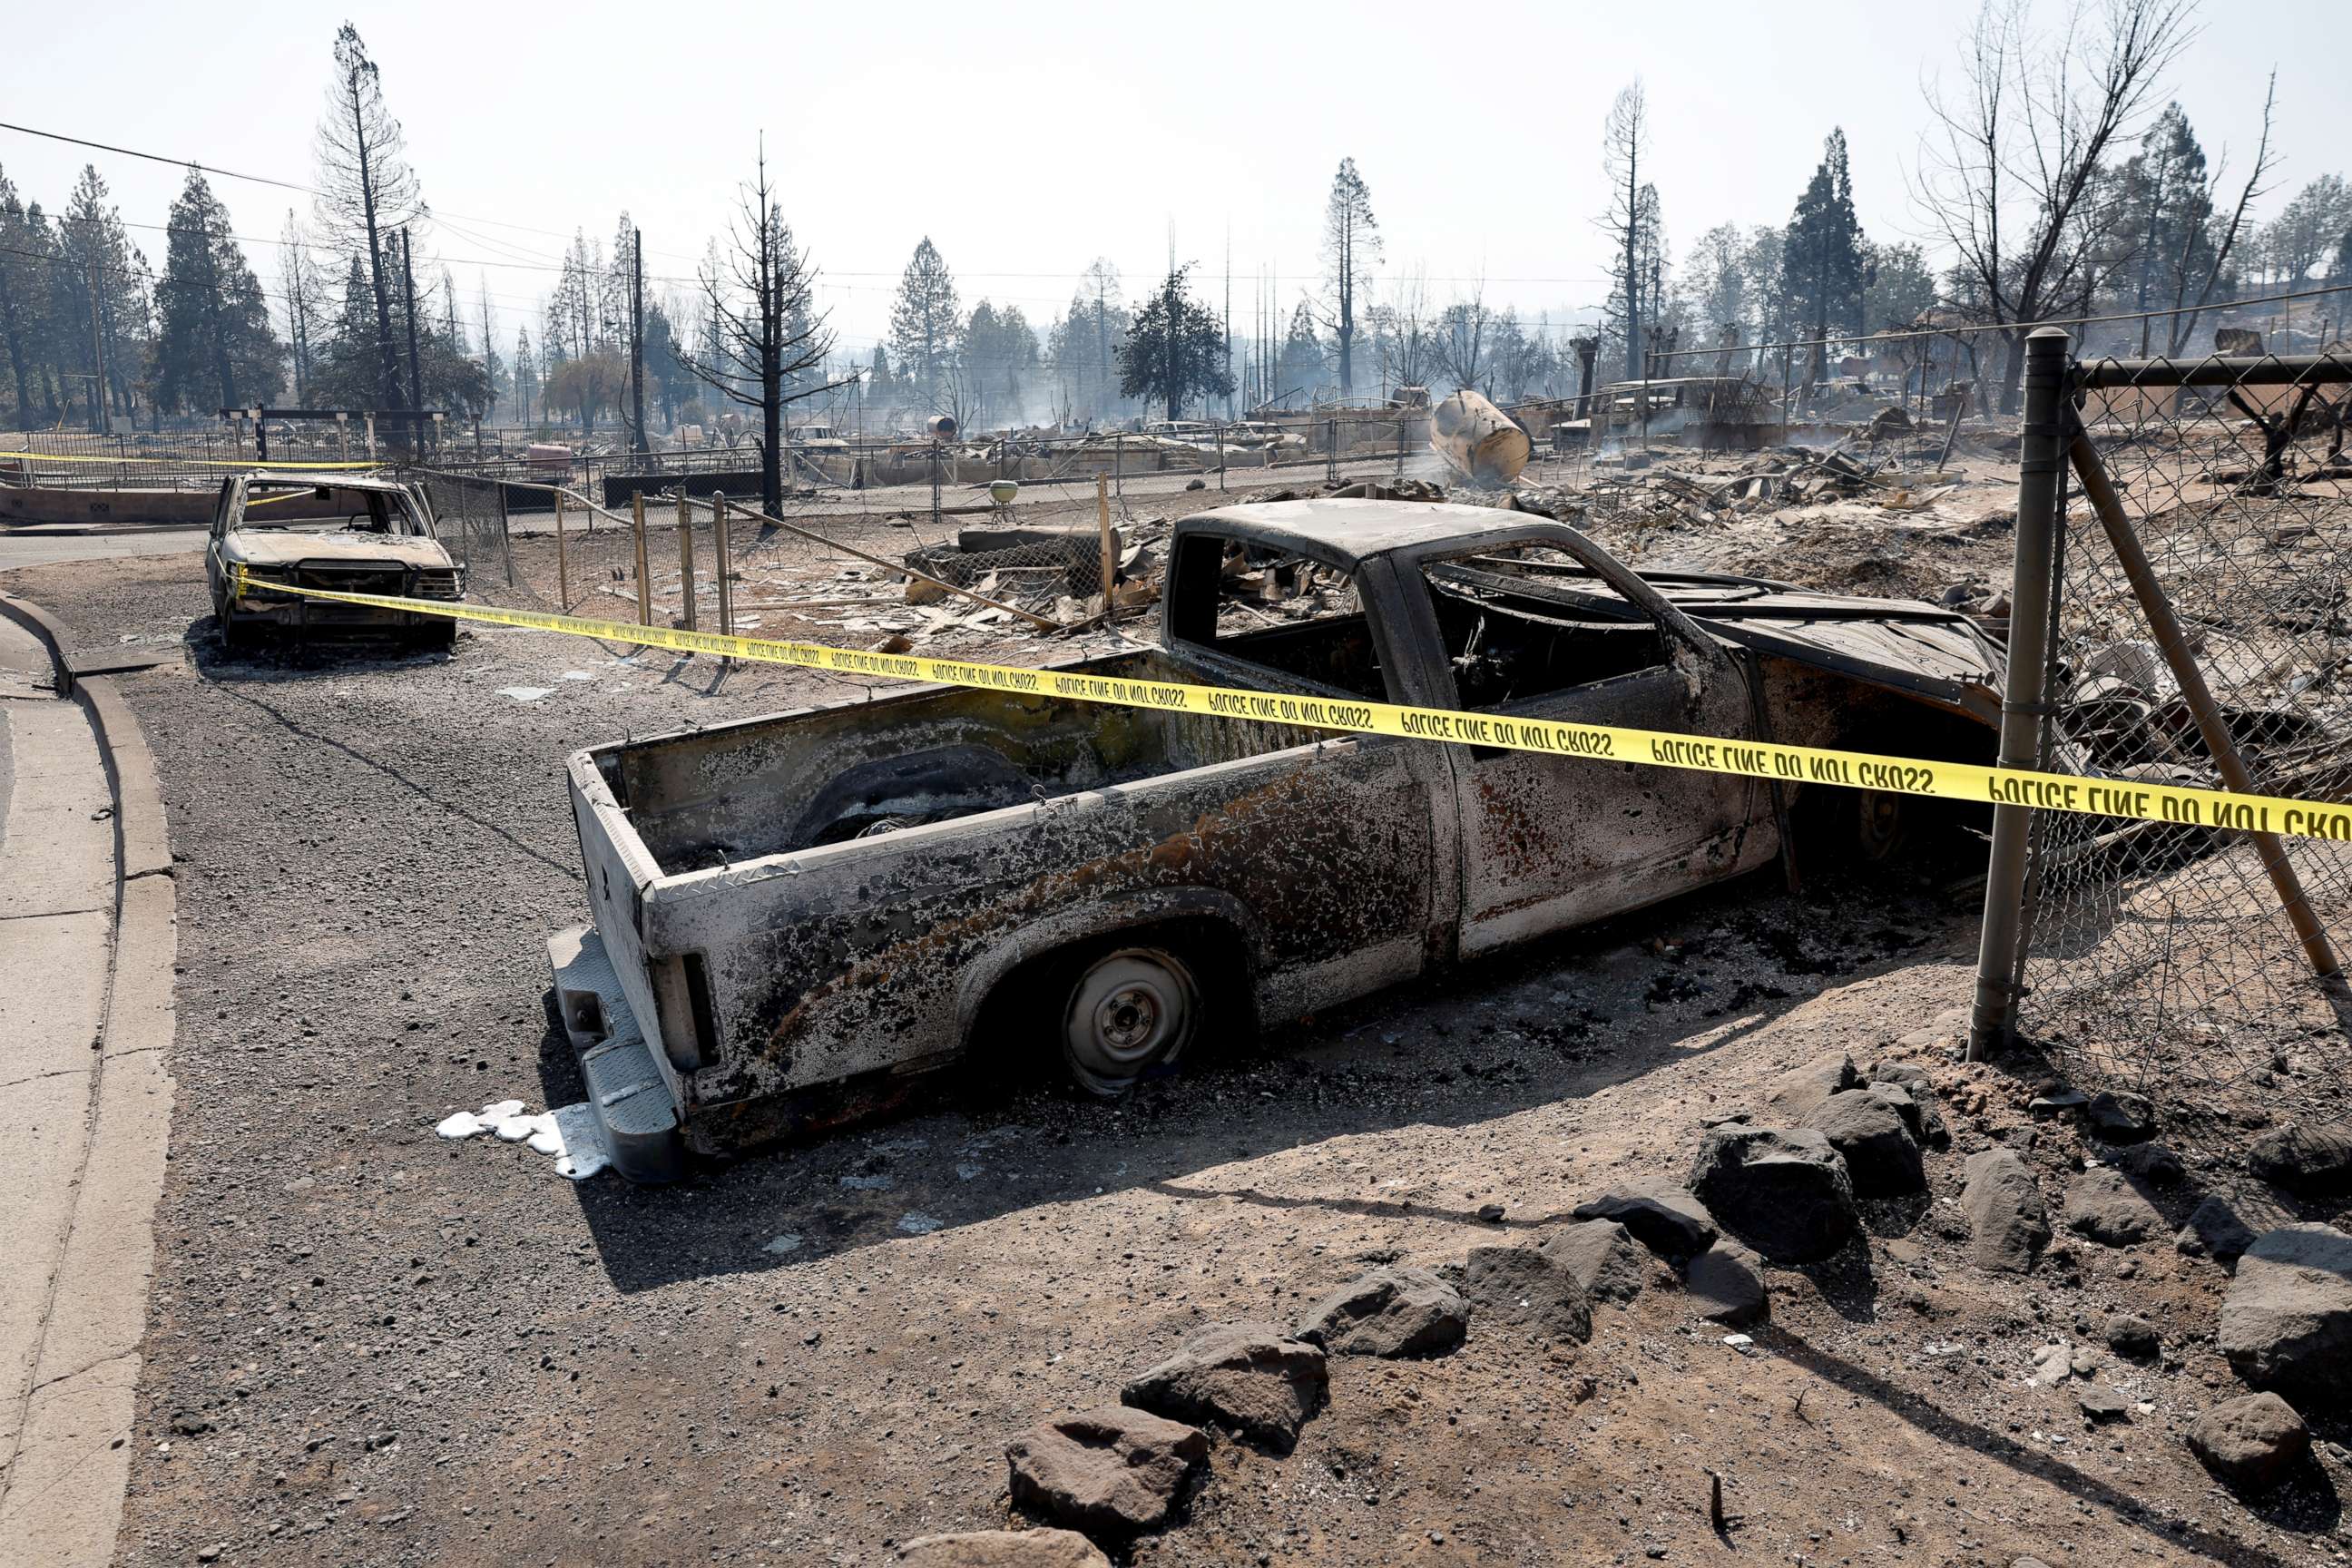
[
  {"x": 47, "y": 627},
  {"x": 61, "y": 1497}
]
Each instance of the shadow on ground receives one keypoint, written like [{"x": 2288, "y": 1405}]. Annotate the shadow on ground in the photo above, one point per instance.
[{"x": 1482, "y": 1042}]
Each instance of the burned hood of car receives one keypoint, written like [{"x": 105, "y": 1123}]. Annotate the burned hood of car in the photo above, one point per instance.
[{"x": 257, "y": 547}]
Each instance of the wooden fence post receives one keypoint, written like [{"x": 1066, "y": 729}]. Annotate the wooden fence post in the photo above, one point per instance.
[
  {"x": 718, "y": 546},
  {"x": 644, "y": 586},
  {"x": 686, "y": 554},
  {"x": 1102, "y": 530},
  {"x": 562, "y": 562}
]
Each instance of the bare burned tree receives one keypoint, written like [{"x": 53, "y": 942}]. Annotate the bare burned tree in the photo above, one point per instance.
[
  {"x": 763, "y": 328},
  {"x": 2013, "y": 176},
  {"x": 1624, "y": 148},
  {"x": 2193, "y": 287},
  {"x": 366, "y": 188}
]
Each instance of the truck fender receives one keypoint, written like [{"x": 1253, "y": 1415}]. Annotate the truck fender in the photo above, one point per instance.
[{"x": 1106, "y": 917}]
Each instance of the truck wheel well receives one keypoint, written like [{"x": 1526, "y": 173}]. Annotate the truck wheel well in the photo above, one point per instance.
[
  {"x": 1016, "y": 1021},
  {"x": 1824, "y": 814}
]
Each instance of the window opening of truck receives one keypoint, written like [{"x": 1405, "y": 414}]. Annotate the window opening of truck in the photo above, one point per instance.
[
  {"x": 1528, "y": 619},
  {"x": 297, "y": 507},
  {"x": 1278, "y": 611}
]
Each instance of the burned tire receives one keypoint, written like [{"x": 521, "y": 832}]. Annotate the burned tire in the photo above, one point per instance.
[
  {"x": 1128, "y": 1012},
  {"x": 439, "y": 636}
]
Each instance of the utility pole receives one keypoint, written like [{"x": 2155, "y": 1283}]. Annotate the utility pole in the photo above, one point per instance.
[
  {"x": 637, "y": 341},
  {"x": 415, "y": 372}
]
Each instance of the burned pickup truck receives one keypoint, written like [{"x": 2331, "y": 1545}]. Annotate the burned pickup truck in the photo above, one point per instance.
[{"x": 795, "y": 914}]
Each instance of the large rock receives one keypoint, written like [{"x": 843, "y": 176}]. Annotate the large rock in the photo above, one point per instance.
[
  {"x": 2009, "y": 1225},
  {"x": 1917, "y": 1108},
  {"x": 2223, "y": 1224},
  {"x": 1799, "y": 1092},
  {"x": 1522, "y": 1287},
  {"x": 1783, "y": 1191},
  {"x": 1663, "y": 1218},
  {"x": 2287, "y": 1323},
  {"x": 2310, "y": 1161},
  {"x": 1110, "y": 1472},
  {"x": 1604, "y": 1257},
  {"x": 2103, "y": 1205},
  {"x": 1866, "y": 1126},
  {"x": 1726, "y": 1284},
  {"x": 1389, "y": 1312},
  {"x": 1005, "y": 1548},
  {"x": 2151, "y": 1165},
  {"x": 1250, "y": 1377},
  {"x": 2120, "y": 1116},
  {"x": 2251, "y": 1442}
]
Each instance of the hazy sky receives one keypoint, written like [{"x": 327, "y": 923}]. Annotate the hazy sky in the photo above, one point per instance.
[{"x": 1027, "y": 139}]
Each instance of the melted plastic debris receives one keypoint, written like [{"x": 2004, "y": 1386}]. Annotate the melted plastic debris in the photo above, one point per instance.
[
  {"x": 914, "y": 1224},
  {"x": 466, "y": 1124},
  {"x": 783, "y": 1244},
  {"x": 569, "y": 1133}
]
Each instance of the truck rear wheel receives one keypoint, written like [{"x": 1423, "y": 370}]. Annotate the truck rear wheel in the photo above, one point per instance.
[{"x": 1129, "y": 1011}]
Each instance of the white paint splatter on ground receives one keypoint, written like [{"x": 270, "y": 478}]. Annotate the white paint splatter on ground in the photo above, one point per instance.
[{"x": 568, "y": 1132}]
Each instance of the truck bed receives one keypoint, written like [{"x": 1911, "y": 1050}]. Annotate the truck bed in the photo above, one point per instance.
[{"x": 815, "y": 777}]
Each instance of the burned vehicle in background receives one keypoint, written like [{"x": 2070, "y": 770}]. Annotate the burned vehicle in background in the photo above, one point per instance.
[
  {"x": 796, "y": 912},
  {"x": 351, "y": 533}
]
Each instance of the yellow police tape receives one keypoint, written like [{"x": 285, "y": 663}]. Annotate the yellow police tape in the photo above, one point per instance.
[
  {"x": 1653, "y": 748},
  {"x": 238, "y": 463}
]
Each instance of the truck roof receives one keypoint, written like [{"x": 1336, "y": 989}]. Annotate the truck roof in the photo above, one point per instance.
[
  {"x": 1354, "y": 529},
  {"x": 339, "y": 478}
]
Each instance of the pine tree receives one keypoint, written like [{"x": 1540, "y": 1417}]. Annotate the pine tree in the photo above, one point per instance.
[
  {"x": 21, "y": 288},
  {"x": 100, "y": 293},
  {"x": 1632, "y": 213},
  {"x": 1822, "y": 251},
  {"x": 1176, "y": 348},
  {"x": 215, "y": 347},
  {"x": 1351, "y": 248},
  {"x": 366, "y": 191},
  {"x": 923, "y": 321}
]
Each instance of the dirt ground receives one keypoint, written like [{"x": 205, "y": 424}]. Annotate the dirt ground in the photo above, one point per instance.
[{"x": 370, "y": 1345}]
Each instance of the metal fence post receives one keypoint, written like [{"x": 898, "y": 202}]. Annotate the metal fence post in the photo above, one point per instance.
[
  {"x": 2042, "y": 467},
  {"x": 718, "y": 546},
  {"x": 506, "y": 538}
]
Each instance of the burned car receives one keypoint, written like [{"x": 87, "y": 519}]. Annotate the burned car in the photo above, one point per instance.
[
  {"x": 351, "y": 533},
  {"x": 794, "y": 914}
]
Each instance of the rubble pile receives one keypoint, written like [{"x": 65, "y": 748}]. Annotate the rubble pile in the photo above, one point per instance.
[{"x": 1831, "y": 1153}]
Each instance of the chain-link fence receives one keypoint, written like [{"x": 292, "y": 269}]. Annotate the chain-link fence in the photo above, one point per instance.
[{"x": 2199, "y": 634}]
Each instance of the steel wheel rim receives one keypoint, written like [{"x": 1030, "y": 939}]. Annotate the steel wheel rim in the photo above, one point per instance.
[{"x": 1129, "y": 1012}]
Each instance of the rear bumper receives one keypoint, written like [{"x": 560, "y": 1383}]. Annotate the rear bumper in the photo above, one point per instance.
[{"x": 627, "y": 1094}]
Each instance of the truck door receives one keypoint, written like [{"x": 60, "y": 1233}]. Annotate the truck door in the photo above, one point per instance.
[{"x": 1549, "y": 841}]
